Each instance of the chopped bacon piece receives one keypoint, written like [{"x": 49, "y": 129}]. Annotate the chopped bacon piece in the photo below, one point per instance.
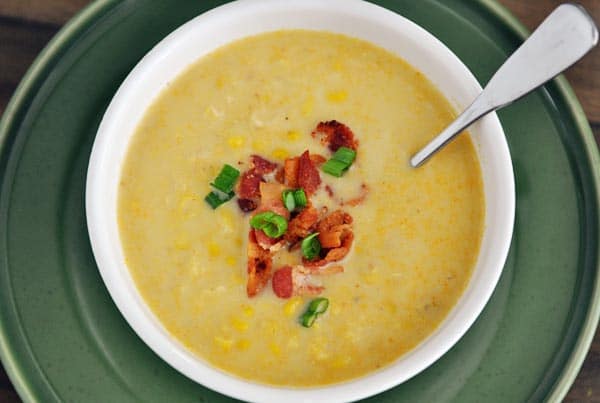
[
  {"x": 335, "y": 237},
  {"x": 260, "y": 264},
  {"x": 317, "y": 159},
  {"x": 335, "y": 135},
  {"x": 247, "y": 205},
  {"x": 282, "y": 283},
  {"x": 271, "y": 199},
  {"x": 290, "y": 172},
  {"x": 308, "y": 176},
  {"x": 280, "y": 175},
  {"x": 261, "y": 165},
  {"x": 267, "y": 243},
  {"x": 302, "y": 225},
  {"x": 249, "y": 185}
]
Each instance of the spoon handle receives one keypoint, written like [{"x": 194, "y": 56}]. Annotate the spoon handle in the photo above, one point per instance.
[{"x": 564, "y": 37}]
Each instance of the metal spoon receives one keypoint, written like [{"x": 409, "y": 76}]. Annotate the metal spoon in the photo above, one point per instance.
[{"x": 563, "y": 38}]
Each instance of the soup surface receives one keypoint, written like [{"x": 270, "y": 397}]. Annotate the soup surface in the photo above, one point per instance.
[{"x": 416, "y": 231}]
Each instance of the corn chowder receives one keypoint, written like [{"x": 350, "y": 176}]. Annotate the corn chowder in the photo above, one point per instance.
[{"x": 374, "y": 254}]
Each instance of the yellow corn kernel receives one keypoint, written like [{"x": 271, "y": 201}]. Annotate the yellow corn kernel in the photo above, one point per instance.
[
  {"x": 291, "y": 306},
  {"x": 280, "y": 153},
  {"x": 224, "y": 343},
  {"x": 236, "y": 141},
  {"x": 239, "y": 324},
  {"x": 248, "y": 310},
  {"x": 231, "y": 261},
  {"x": 220, "y": 82},
  {"x": 213, "y": 249},
  {"x": 275, "y": 349},
  {"x": 337, "y": 96},
  {"x": 308, "y": 106},
  {"x": 243, "y": 344},
  {"x": 338, "y": 66},
  {"x": 293, "y": 135}
]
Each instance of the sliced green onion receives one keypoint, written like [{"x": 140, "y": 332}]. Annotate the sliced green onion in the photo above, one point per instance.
[
  {"x": 316, "y": 307},
  {"x": 273, "y": 225},
  {"x": 334, "y": 167},
  {"x": 345, "y": 155},
  {"x": 300, "y": 198},
  {"x": 216, "y": 198},
  {"x": 311, "y": 246},
  {"x": 288, "y": 199},
  {"x": 293, "y": 199},
  {"x": 226, "y": 179},
  {"x": 340, "y": 162},
  {"x": 308, "y": 319}
]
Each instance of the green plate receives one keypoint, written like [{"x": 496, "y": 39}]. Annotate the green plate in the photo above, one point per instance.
[{"x": 61, "y": 336}]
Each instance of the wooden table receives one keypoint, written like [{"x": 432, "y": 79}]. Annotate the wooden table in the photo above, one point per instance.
[{"x": 27, "y": 25}]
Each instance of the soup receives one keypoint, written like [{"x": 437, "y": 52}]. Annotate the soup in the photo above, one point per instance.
[{"x": 411, "y": 241}]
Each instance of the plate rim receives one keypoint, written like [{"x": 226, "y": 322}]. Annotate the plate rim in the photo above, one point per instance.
[{"x": 60, "y": 43}]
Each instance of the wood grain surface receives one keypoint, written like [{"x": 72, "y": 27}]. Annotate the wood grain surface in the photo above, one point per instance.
[{"x": 27, "y": 25}]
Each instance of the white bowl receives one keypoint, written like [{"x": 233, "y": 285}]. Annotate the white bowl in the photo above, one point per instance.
[{"x": 248, "y": 17}]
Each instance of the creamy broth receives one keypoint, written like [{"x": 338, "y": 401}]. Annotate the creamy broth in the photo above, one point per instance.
[{"x": 417, "y": 233}]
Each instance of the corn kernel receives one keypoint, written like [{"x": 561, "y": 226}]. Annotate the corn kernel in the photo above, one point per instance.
[
  {"x": 231, "y": 261},
  {"x": 224, "y": 343},
  {"x": 243, "y": 344},
  {"x": 248, "y": 310},
  {"x": 275, "y": 349},
  {"x": 213, "y": 249},
  {"x": 337, "y": 96},
  {"x": 236, "y": 141},
  {"x": 291, "y": 306},
  {"x": 280, "y": 153},
  {"x": 239, "y": 324},
  {"x": 293, "y": 135}
]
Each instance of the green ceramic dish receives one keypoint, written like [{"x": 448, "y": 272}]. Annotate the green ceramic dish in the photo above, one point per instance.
[{"x": 62, "y": 338}]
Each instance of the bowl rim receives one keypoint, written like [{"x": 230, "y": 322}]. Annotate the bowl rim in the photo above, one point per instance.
[{"x": 121, "y": 286}]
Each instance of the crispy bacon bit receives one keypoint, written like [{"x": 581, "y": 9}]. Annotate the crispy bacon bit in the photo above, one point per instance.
[
  {"x": 260, "y": 263},
  {"x": 290, "y": 172},
  {"x": 317, "y": 160},
  {"x": 247, "y": 205},
  {"x": 271, "y": 199},
  {"x": 282, "y": 283},
  {"x": 249, "y": 185},
  {"x": 280, "y": 175},
  {"x": 267, "y": 243},
  {"x": 261, "y": 165},
  {"x": 301, "y": 226},
  {"x": 335, "y": 236},
  {"x": 308, "y": 176},
  {"x": 335, "y": 135}
]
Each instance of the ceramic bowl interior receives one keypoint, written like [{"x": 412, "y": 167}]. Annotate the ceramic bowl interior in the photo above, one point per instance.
[{"x": 248, "y": 17}]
